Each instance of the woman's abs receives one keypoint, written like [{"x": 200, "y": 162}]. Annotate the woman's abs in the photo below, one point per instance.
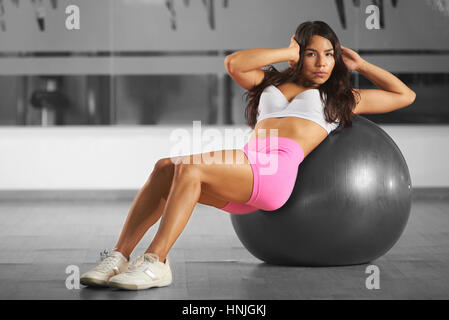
[{"x": 306, "y": 133}]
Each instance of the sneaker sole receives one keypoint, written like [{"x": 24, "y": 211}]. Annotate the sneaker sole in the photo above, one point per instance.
[
  {"x": 92, "y": 282},
  {"x": 130, "y": 286}
]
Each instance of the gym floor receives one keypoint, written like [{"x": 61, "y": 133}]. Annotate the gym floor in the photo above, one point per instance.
[{"x": 41, "y": 238}]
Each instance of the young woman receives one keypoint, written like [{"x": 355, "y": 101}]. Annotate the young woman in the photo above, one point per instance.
[{"x": 291, "y": 112}]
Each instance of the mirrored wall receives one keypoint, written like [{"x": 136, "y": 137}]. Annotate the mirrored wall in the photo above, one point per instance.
[{"x": 160, "y": 62}]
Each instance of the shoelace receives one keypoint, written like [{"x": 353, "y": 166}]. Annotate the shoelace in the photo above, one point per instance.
[
  {"x": 104, "y": 254},
  {"x": 107, "y": 263},
  {"x": 141, "y": 263}
]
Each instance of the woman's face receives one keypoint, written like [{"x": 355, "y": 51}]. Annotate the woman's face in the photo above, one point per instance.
[{"x": 318, "y": 57}]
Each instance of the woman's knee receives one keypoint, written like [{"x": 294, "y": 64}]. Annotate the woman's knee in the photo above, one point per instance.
[
  {"x": 186, "y": 170},
  {"x": 176, "y": 168},
  {"x": 164, "y": 166}
]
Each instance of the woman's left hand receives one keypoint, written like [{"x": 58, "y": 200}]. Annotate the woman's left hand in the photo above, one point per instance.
[{"x": 351, "y": 58}]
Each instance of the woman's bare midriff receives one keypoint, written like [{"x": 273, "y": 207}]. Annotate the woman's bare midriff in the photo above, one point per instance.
[{"x": 305, "y": 132}]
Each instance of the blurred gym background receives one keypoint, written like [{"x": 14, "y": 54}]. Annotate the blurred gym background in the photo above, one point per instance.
[{"x": 92, "y": 108}]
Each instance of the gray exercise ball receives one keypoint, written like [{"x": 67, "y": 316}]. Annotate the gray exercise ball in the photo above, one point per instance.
[{"x": 350, "y": 204}]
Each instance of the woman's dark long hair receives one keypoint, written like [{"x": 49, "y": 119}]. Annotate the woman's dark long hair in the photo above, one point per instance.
[{"x": 339, "y": 100}]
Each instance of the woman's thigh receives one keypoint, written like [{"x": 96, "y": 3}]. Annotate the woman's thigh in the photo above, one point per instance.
[{"x": 225, "y": 175}]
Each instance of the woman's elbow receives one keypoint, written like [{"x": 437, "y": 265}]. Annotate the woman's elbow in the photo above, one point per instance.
[
  {"x": 412, "y": 97},
  {"x": 227, "y": 63},
  {"x": 408, "y": 98}
]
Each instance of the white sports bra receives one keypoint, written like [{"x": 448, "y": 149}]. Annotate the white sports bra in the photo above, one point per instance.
[{"x": 306, "y": 105}]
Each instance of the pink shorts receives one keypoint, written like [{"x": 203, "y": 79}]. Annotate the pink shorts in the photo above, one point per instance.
[{"x": 274, "y": 161}]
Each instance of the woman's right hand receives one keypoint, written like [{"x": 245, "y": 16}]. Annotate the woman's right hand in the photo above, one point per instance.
[{"x": 295, "y": 51}]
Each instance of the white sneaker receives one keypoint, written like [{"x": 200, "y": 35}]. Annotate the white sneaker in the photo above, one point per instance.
[
  {"x": 143, "y": 273},
  {"x": 112, "y": 263}
]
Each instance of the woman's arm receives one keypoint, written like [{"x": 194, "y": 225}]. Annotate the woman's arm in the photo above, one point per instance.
[
  {"x": 394, "y": 94},
  {"x": 250, "y": 59}
]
